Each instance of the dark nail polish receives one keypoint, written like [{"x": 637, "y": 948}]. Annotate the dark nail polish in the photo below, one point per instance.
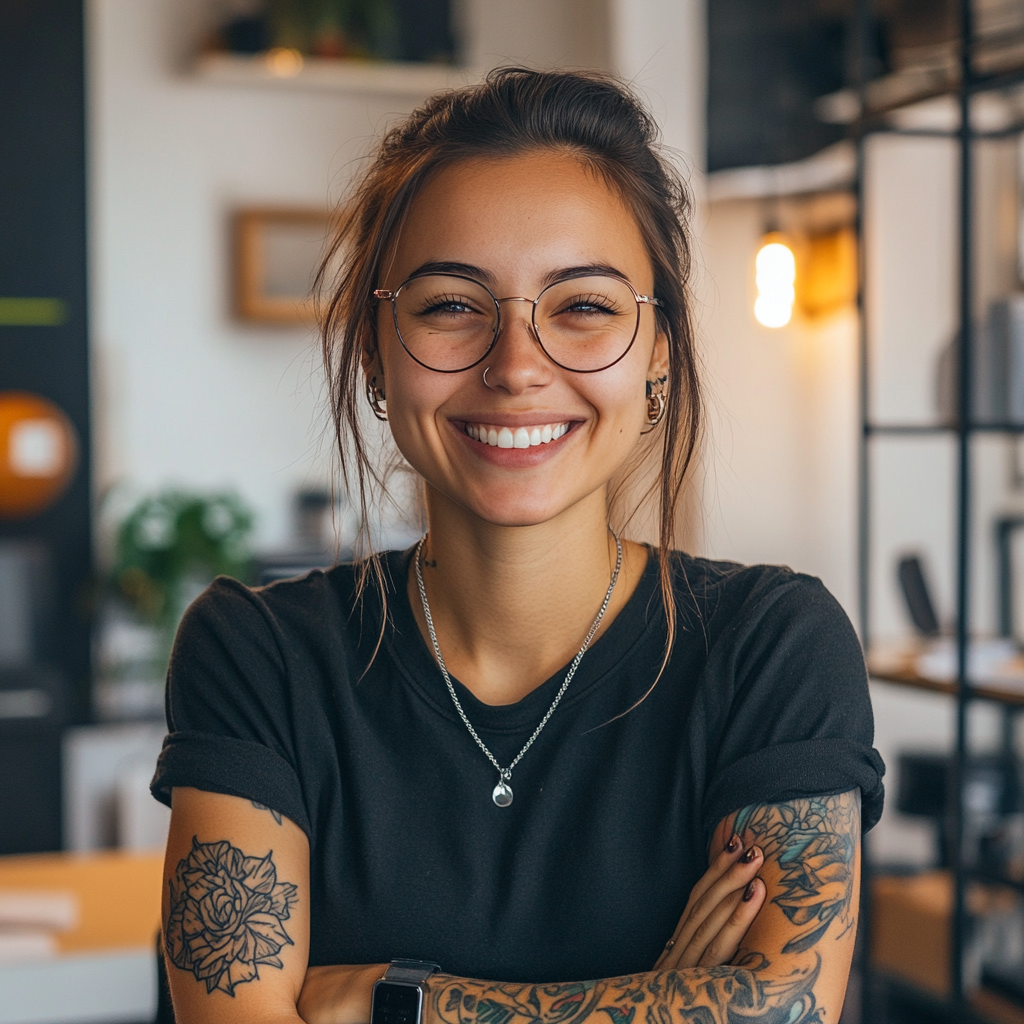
[
  {"x": 749, "y": 856},
  {"x": 748, "y": 893},
  {"x": 733, "y": 845}
]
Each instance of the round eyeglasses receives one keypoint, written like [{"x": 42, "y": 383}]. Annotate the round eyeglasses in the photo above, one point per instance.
[{"x": 449, "y": 323}]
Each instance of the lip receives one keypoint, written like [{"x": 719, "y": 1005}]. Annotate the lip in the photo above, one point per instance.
[{"x": 513, "y": 420}]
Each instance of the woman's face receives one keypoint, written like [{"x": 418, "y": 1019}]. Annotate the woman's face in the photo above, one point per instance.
[{"x": 515, "y": 224}]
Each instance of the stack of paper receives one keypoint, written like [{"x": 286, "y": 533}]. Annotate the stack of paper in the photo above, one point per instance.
[{"x": 30, "y": 921}]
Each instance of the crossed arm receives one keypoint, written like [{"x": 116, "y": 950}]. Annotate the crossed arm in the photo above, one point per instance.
[{"x": 237, "y": 931}]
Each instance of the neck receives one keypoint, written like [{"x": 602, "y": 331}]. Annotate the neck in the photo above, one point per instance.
[{"x": 512, "y": 605}]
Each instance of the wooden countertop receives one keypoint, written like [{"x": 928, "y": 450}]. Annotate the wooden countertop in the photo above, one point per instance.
[{"x": 118, "y": 894}]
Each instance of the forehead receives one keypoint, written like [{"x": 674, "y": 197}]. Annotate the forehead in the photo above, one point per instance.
[{"x": 520, "y": 217}]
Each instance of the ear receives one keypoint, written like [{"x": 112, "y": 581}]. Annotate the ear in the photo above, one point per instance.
[
  {"x": 369, "y": 359},
  {"x": 659, "y": 357}
]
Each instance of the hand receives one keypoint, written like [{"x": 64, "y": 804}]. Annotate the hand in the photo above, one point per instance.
[
  {"x": 339, "y": 994},
  {"x": 721, "y": 908}
]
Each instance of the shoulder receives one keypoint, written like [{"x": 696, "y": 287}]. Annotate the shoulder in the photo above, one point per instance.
[
  {"x": 265, "y": 628},
  {"x": 734, "y": 597},
  {"x": 310, "y": 600},
  {"x": 766, "y": 625}
]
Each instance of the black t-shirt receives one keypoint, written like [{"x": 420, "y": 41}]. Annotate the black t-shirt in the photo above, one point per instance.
[{"x": 274, "y": 695}]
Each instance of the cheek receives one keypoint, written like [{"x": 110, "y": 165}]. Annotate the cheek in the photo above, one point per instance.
[
  {"x": 625, "y": 413},
  {"x": 414, "y": 396},
  {"x": 619, "y": 399}
]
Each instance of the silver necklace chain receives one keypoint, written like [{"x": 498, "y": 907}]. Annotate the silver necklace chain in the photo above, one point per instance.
[{"x": 502, "y": 794}]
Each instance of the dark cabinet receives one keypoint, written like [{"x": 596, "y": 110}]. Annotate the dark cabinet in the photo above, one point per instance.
[{"x": 45, "y": 555}]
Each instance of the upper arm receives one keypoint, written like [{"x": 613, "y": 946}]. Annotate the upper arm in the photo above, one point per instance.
[
  {"x": 235, "y": 910},
  {"x": 811, "y": 871}
]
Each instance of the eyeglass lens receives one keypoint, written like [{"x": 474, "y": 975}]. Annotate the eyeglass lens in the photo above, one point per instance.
[{"x": 449, "y": 323}]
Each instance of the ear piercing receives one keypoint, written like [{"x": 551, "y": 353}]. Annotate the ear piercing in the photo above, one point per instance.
[
  {"x": 656, "y": 401},
  {"x": 377, "y": 399}
]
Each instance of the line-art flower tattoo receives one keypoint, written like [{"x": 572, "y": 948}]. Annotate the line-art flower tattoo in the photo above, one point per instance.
[{"x": 226, "y": 915}]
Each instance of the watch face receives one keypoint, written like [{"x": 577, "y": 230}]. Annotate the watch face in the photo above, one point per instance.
[{"x": 395, "y": 1003}]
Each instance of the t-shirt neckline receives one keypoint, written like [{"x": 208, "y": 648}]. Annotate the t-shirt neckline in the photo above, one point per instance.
[{"x": 641, "y": 613}]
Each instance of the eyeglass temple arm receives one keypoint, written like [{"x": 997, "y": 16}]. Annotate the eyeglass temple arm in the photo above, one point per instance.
[
  {"x": 649, "y": 298},
  {"x": 383, "y": 293}
]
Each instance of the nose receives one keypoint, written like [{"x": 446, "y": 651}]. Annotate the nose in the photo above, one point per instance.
[{"x": 517, "y": 362}]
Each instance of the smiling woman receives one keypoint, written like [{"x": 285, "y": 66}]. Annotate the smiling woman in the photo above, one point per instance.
[{"x": 610, "y": 778}]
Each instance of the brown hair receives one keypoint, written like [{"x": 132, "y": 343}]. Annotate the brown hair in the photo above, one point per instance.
[{"x": 515, "y": 110}]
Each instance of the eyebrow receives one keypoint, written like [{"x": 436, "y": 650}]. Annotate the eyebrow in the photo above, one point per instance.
[
  {"x": 450, "y": 267},
  {"x": 586, "y": 270},
  {"x": 478, "y": 273}
]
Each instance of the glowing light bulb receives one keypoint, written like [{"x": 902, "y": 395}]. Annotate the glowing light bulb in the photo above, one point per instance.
[{"x": 775, "y": 278}]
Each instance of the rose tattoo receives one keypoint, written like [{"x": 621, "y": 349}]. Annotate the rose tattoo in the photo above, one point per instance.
[{"x": 226, "y": 913}]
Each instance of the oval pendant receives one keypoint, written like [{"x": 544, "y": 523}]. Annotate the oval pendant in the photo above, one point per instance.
[{"x": 502, "y": 794}]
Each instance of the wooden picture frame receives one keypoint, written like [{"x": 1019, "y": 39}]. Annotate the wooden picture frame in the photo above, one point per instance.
[{"x": 276, "y": 253}]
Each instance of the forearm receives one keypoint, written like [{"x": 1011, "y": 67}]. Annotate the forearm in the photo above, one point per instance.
[{"x": 754, "y": 990}]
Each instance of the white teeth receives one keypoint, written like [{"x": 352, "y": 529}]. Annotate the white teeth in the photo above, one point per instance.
[{"x": 521, "y": 437}]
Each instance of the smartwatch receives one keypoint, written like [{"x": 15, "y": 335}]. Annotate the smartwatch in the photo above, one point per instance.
[{"x": 398, "y": 996}]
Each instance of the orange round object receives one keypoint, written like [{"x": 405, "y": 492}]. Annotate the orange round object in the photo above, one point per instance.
[{"x": 38, "y": 454}]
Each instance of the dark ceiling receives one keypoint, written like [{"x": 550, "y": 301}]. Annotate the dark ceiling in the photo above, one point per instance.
[{"x": 769, "y": 60}]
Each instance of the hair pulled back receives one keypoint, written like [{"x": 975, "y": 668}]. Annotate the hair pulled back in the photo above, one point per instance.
[{"x": 515, "y": 110}]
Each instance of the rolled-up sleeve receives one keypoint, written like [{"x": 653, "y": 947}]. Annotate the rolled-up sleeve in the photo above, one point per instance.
[
  {"x": 797, "y": 719},
  {"x": 228, "y": 714}
]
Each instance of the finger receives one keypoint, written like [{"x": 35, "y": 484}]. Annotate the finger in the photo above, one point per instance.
[
  {"x": 718, "y": 867},
  {"x": 724, "y": 946},
  {"x": 727, "y": 888},
  {"x": 709, "y": 934}
]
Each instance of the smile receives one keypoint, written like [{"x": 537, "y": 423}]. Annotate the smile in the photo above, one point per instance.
[{"x": 521, "y": 437}]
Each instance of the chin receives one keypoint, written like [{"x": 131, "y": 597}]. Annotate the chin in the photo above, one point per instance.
[{"x": 517, "y": 511}]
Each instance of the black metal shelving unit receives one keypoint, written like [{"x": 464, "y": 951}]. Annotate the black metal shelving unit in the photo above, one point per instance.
[{"x": 965, "y": 86}]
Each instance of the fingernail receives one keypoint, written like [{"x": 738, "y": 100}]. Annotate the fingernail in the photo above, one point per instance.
[
  {"x": 749, "y": 856},
  {"x": 748, "y": 893},
  {"x": 733, "y": 844}
]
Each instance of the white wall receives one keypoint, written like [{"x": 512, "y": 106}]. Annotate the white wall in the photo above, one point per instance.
[
  {"x": 780, "y": 463},
  {"x": 183, "y": 393},
  {"x": 660, "y": 47}
]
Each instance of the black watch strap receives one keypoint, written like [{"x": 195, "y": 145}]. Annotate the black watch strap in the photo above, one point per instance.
[{"x": 410, "y": 971}]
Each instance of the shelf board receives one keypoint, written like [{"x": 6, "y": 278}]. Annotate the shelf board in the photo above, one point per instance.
[
  {"x": 366, "y": 77},
  {"x": 888, "y": 671},
  {"x": 998, "y": 62},
  {"x": 923, "y": 429},
  {"x": 989, "y": 878},
  {"x": 995, "y": 1007}
]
